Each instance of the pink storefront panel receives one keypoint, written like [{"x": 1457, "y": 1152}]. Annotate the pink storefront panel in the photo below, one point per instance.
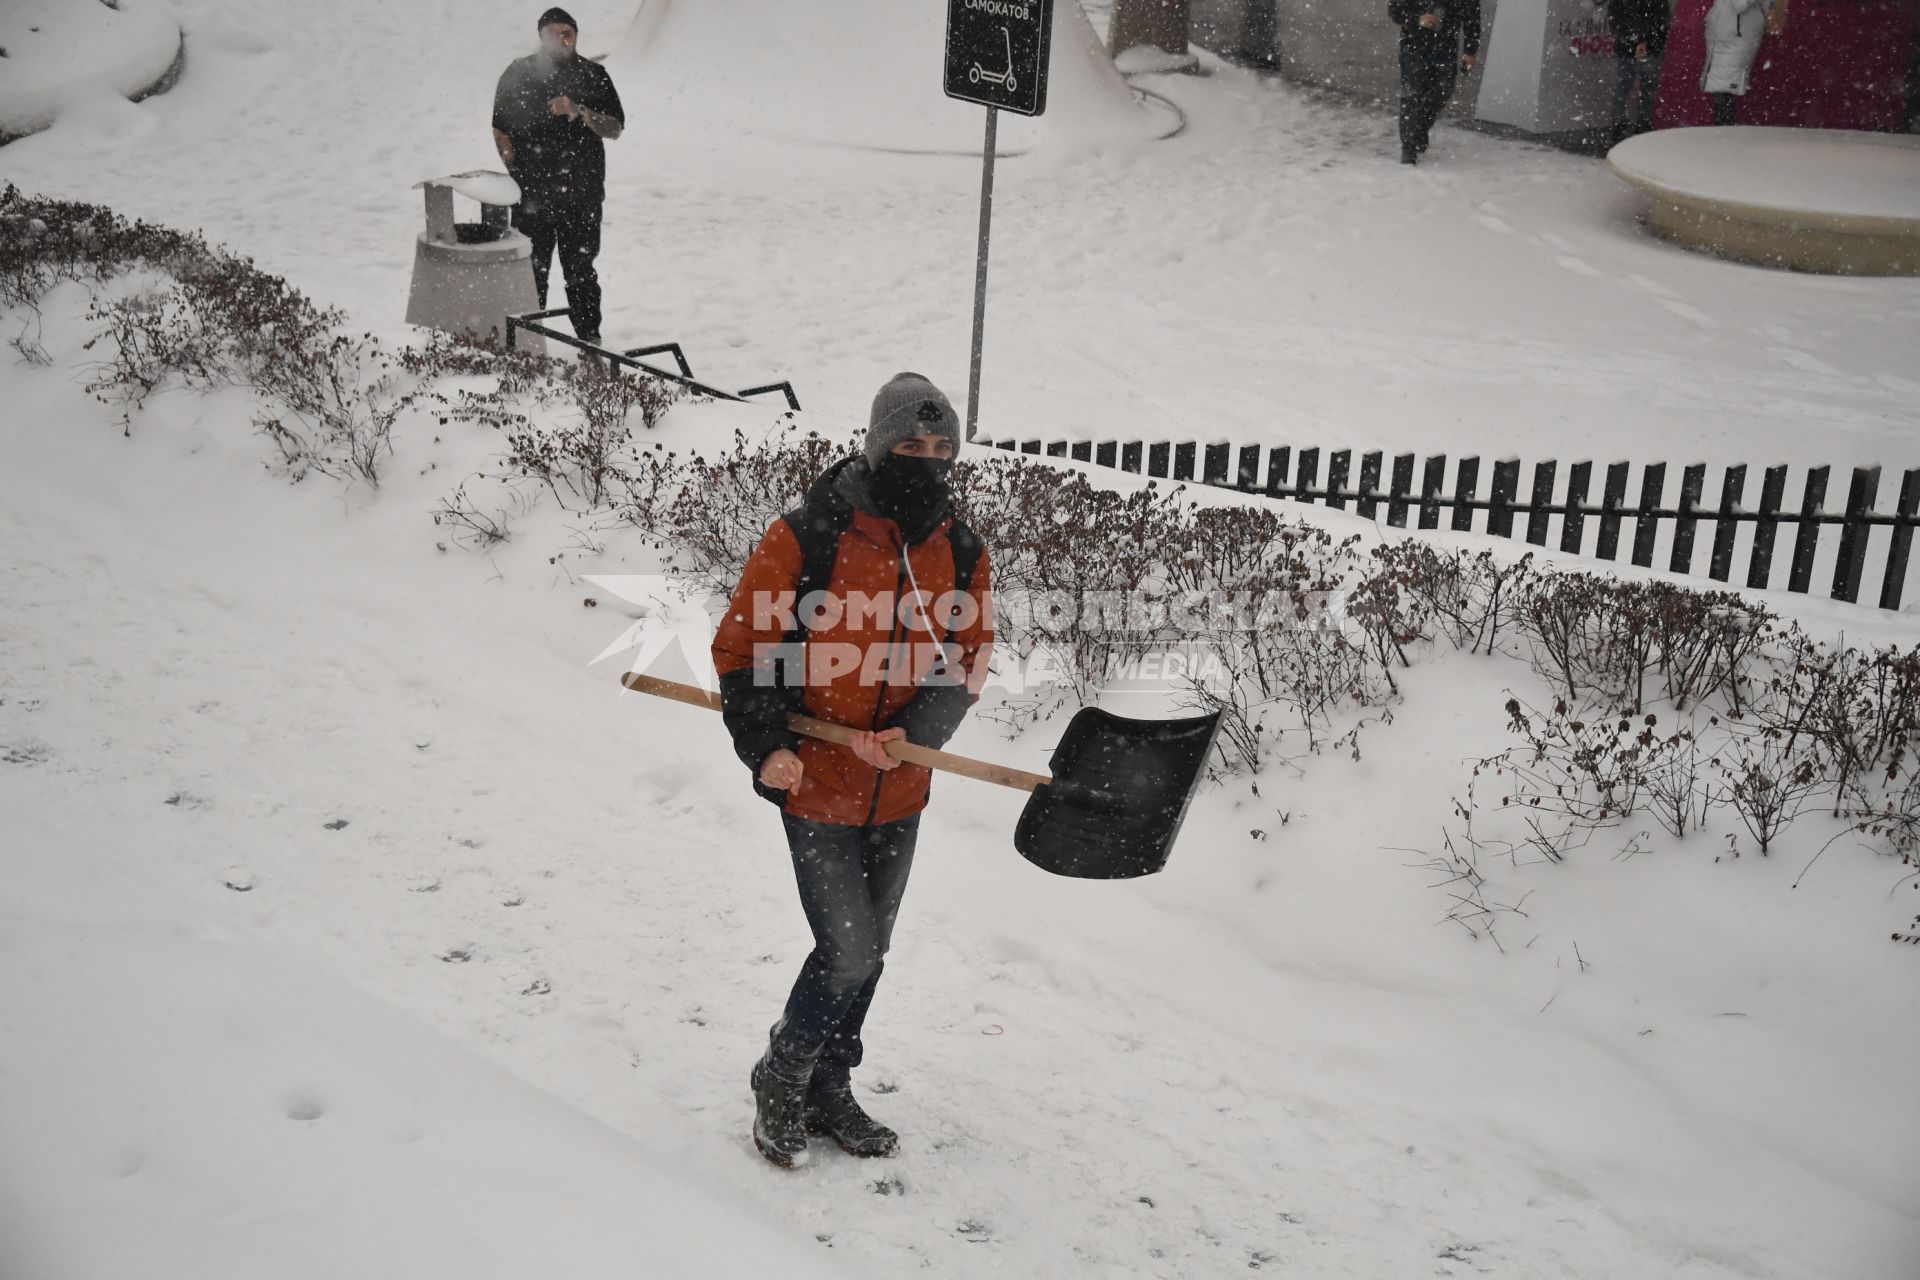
[{"x": 1840, "y": 64}]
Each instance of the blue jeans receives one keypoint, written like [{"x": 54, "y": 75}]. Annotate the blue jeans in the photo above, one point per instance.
[{"x": 851, "y": 882}]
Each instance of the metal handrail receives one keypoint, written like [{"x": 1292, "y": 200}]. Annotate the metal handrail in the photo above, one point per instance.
[{"x": 530, "y": 321}]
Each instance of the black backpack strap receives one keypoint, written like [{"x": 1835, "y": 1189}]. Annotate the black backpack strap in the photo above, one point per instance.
[
  {"x": 966, "y": 558},
  {"x": 818, "y": 533}
]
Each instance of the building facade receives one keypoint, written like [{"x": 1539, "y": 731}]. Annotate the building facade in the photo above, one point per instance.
[{"x": 1852, "y": 64}]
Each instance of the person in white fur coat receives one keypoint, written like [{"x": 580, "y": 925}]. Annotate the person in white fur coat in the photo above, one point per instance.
[{"x": 1734, "y": 30}]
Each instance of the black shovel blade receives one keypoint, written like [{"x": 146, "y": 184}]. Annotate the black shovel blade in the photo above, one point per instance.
[{"x": 1119, "y": 792}]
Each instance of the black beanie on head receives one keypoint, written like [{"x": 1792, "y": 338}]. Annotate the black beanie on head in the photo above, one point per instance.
[{"x": 553, "y": 15}]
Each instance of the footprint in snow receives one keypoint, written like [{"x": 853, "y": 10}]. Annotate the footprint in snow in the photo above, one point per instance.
[
  {"x": 304, "y": 1106},
  {"x": 1694, "y": 314},
  {"x": 1653, "y": 286},
  {"x": 1804, "y": 361}
]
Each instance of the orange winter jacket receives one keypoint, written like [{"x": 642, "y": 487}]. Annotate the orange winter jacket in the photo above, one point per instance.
[{"x": 886, "y": 643}]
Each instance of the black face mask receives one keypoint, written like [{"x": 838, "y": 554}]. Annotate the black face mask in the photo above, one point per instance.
[{"x": 911, "y": 492}]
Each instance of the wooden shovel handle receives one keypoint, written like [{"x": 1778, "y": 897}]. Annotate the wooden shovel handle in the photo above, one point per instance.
[{"x": 945, "y": 762}]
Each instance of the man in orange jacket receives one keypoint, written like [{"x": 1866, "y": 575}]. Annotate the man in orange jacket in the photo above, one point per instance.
[{"x": 869, "y": 606}]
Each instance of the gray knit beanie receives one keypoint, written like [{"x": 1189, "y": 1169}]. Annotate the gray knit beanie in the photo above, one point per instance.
[{"x": 908, "y": 405}]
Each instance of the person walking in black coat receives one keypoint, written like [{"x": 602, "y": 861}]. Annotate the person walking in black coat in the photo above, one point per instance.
[
  {"x": 553, "y": 113},
  {"x": 1432, "y": 35},
  {"x": 1639, "y": 30}
]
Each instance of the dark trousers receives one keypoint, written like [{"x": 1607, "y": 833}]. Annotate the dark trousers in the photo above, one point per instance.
[
  {"x": 1642, "y": 74},
  {"x": 851, "y": 882},
  {"x": 573, "y": 229},
  {"x": 1723, "y": 108},
  {"x": 1259, "y": 43},
  {"x": 1426, "y": 82}
]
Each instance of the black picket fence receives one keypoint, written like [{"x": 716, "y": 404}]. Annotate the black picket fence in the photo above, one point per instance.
[{"x": 1223, "y": 466}]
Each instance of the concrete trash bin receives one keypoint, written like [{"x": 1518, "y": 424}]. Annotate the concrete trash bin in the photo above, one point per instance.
[{"x": 468, "y": 276}]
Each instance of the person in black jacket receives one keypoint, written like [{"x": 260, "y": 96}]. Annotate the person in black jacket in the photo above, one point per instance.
[
  {"x": 1639, "y": 30},
  {"x": 1432, "y": 33},
  {"x": 553, "y": 113}
]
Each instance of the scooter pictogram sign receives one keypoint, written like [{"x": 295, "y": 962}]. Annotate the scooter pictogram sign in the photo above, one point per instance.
[{"x": 997, "y": 53}]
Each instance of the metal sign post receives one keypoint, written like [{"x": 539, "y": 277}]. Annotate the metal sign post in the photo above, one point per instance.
[
  {"x": 997, "y": 56},
  {"x": 980, "y": 275}
]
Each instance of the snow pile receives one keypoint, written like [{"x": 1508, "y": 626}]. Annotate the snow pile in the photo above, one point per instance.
[
  {"x": 1147, "y": 59},
  {"x": 183, "y": 1101},
  {"x": 66, "y": 53},
  {"x": 862, "y": 73}
]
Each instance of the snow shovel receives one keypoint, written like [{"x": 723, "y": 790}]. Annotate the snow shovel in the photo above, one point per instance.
[{"x": 1118, "y": 791}]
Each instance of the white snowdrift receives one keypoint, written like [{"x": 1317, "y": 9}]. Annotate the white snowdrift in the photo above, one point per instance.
[
  {"x": 62, "y": 52},
  {"x": 183, "y": 1103},
  {"x": 863, "y": 73},
  {"x": 1830, "y": 172}
]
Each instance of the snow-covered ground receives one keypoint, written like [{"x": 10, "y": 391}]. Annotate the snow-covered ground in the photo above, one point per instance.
[
  {"x": 79, "y": 58},
  {"x": 1268, "y": 1057},
  {"x": 183, "y": 1100},
  {"x": 850, "y": 73}
]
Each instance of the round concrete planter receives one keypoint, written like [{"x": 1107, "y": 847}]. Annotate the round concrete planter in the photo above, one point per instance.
[{"x": 1819, "y": 200}]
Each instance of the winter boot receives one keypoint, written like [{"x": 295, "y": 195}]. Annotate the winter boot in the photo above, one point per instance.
[
  {"x": 779, "y": 1125},
  {"x": 833, "y": 1112}
]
